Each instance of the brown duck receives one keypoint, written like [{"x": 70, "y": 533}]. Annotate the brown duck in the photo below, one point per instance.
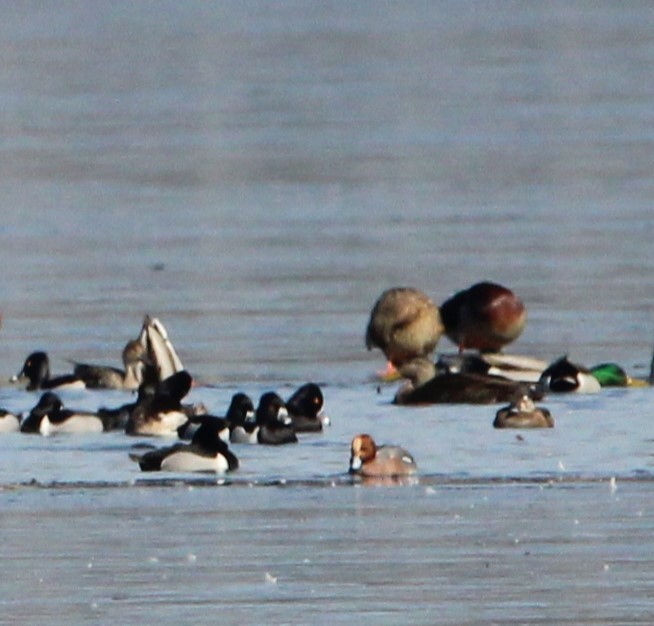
[{"x": 425, "y": 386}]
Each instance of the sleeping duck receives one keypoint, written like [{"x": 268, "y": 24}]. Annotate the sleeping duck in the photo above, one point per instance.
[
  {"x": 425, "y": 386},
  {"x": 405, "y": 324},
  {"x": 484, "y": 317}
]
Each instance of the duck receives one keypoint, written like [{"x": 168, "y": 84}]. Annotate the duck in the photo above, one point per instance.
[
  {"x": 368, "y": 459},
  {"x": 207, "y": 452},
  {"x": 523, "y": 413},
  {"x": 240, "y": 408},
  {"x": 9, "y": 422},
  {"x": 122, "y": 415},
  {"x": 305, "y": 409},
  {"x": 106, "y": 377},
  {"x": 274, "y": 425},
  {"x": 49, "y": 417},
  {"x": 160, "y": 350},
  {"x": 243, "y": 426},
  {"x": 563, "y": 376},
  {"x": 613, "y": 375},
  {"x": 485, "y": 317},
  {"x": 195, "y": 422},
  {"x": 404, "y": 324},
  {"x": 425, "y": 386},
  {"x": 516, "y": 367},
  {"x": 36, "y": 369},
  {"x": 159, "y": 411}
]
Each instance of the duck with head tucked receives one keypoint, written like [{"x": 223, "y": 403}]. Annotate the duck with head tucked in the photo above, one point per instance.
[
  {"x": 523, "y": 414},
  {"x": 369, "y": 459},
  {"x": 484, "y": 317},
  {"x": 425, "y": 386},
  {"x": 405, "y": 324}
]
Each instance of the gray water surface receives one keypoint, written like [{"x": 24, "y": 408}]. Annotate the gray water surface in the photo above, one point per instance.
[{"x": 255, "y": 174}]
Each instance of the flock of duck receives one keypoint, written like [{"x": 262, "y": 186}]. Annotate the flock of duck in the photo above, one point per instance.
[{"x": 404, "y": 324}]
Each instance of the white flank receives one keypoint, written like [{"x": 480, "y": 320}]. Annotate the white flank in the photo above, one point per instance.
[
  {"x": 240, "y": 435},
  {"x": 73, "y": 425},
  {"x": 588, "y": 383},
  {"x": 224, "y": 435},
  {"x": 171, "y": 421},
  {"x": 77, "y": 384},
  {"x": 9, "y": 423},
  {"x": 188, "y": 462}
]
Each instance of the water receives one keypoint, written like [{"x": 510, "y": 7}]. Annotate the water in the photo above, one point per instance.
[{"x": 255, "y": 174}]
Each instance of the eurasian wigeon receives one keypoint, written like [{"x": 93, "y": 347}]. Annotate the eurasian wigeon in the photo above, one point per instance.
[{"x": 368, "y": 459}]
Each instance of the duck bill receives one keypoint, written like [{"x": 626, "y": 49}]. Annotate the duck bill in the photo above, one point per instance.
[
  {"x": 17, "y": 377},
  {"x": 355, "y": 464},
  {"x": 283, "y": 417},
  {"x": 390, "y": 374}
]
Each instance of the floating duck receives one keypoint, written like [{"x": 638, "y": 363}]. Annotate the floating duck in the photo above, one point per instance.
[
  {"x": 239, "y": 409},
  {"x": 243, "y": 423},
  {"x": 305, "y": 409},
  {"x": 36, "y": 370},
  {"x": 275, "y": 427},
  {"x": 207, "y": 452},
  {"x": 49, "y": 417},
  {"x": 159, "y": 411},
  {"x": 368, "y": 459},
  {"x": 523, "y": 414},
  {"x": 564, "y": 376},
  {"x": 106, "y": 377},
  {"x": 425, "y": 386}
]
